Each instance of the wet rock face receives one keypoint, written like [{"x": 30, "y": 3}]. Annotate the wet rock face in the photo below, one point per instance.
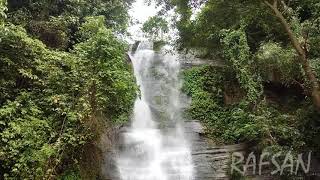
[
  {"x": 109, "y": 142},
  {"x": 210, "y": 161},
  {"x": 213, "y": 162},
  {"x": 135, "y": 46}
]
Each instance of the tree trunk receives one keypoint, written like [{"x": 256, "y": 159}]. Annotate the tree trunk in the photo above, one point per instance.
[{"x": 315, "y": 93}]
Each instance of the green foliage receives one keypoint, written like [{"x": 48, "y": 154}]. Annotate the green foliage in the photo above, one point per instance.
[
  {"x": 50, "y": 100},
  {"x": 315, "y": 64},
  {"x": 53, "y": 102},
  {"x": 72, "y": 174},
  {"x": 256, "y": 51},
  {"x": 3, "y": 8},
  {"x": 237, "y": 51},
  {"x": 55, "y": 32},
  {"x": 235, "y": 123},
  {"x": 38, "y": 117},
  {"x": 276, "y": 63},
  {"x": 56, "y": 22},
  {"x": 207, "y": 77},
  {"x": 157, "y": 45},
  {"x": 91, "y": 27},
  {"x": 103, "y": 57},
  {"x": 17, "y": 71},
  {"x": 115, "y": 11},
  {"x": 195, "y": 80},
  {"x": 155, "y": 27}
]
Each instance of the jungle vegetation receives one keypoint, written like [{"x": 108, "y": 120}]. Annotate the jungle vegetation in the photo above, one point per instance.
[
  {"x": 63, "y": 77},
  {"x": 263, "y": 86}
]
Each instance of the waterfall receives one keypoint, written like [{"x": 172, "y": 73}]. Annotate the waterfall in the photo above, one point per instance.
[{"x": 155, "y": 147}]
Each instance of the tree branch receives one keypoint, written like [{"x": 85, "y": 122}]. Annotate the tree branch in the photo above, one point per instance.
[
  {"x": 285, "y": 24},
  {"x": 267, "y": 3},
  {"x": 302, "y": 52},
  {"x": 275, "y": 4},
  {"x": 285, "y": 6},
  {"x": 272, "y": 6}
]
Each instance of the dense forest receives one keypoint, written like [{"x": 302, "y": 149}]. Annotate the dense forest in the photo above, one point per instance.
[
  {"x": 261, "y": 83},
  {"x": 64, "y": 76},
  {"x": 265, "y": 90}
]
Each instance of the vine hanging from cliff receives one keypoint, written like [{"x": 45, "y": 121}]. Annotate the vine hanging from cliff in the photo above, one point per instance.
[{"x": 237, "y": 52}]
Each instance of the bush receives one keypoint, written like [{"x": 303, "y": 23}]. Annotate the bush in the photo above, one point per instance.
[
  {"x": 240, "y": 122},
  {"x": 51, "y": 100}
]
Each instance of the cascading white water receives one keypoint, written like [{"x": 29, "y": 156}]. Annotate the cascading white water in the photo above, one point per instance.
[{"x": 155, "y": 147}]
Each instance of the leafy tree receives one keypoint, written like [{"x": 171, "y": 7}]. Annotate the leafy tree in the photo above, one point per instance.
[
  {"x": 103, "y": 60},
  {"x": 235, "y": 123},
  {"x": 272, "y": 57},
  {"x": 155, "y": 27},
  {"x": 115, "y": 11},
  {"x": 56, "y": 22},
  {"x": 39, "y": 118},
  {"x": 301, "y": 46},
  {"x": 265, "y": 45},
  {"x": 297, "y": 19},
  {"x": 54, "y": 103}
]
